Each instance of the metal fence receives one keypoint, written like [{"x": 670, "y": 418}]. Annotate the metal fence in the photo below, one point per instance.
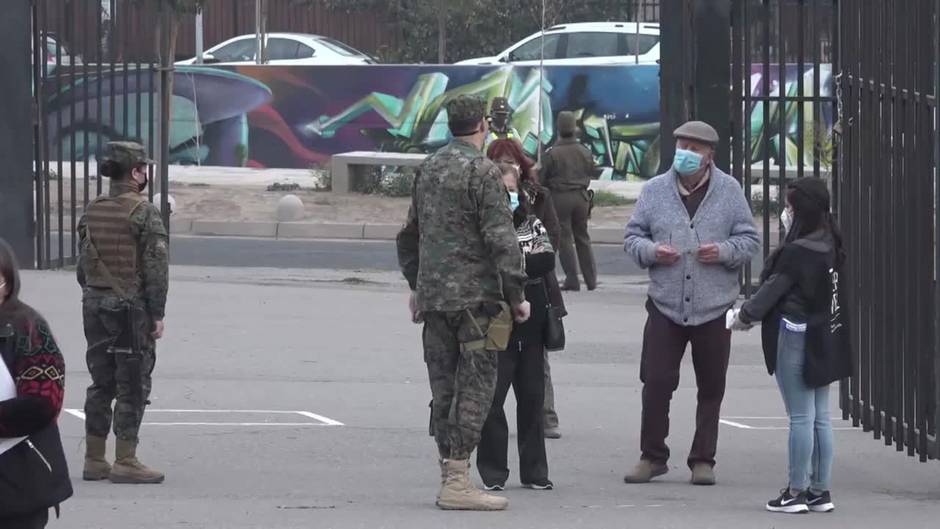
[
  {"x": 81, "y": 102},
  {"x": 888, "y": 210},
  {"x": 783, "y": 55}
]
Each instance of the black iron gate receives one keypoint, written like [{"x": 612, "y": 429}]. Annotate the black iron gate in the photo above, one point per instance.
[
  {"x": 82, "y": 101},
  {"x": 847, "y": 90},
  {"x": 888, "y": 210}
]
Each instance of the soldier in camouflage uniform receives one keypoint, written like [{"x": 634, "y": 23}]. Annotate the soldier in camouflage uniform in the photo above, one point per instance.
[
  {"x": 123, "y": 272},
  {"x": 459, "y": 253},
  {"x": 500, "y": 123}
]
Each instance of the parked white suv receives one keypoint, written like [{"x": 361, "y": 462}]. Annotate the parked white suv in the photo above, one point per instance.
[
  {"x": 584, "y": 43},
  {"x": 284, "y": 48}
]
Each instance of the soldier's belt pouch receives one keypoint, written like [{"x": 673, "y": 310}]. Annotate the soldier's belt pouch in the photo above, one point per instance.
[{"x": 497, "y": 334}]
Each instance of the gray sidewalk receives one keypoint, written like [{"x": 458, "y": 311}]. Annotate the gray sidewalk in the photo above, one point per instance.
[{"x": 249, "y": 348}]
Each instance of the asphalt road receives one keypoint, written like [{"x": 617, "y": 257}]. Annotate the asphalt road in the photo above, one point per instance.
[{"x": 258, "y": 366}]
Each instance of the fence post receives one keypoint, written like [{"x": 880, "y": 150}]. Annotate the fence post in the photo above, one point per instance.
[
  {"x": 936, "y": 205},
  {"x": 16, "y": 131},
  {"x": 712, "y": 72},
  {"x": 675, "y": 64}
]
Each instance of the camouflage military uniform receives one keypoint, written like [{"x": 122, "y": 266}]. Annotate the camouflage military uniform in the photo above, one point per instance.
[
  {"x": 460, "y": 256},
  {"x": 123, "y": 270}
]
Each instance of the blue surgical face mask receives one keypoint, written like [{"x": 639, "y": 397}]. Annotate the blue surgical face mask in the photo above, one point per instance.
[
  {"x": 514, "y": 200},
  {"x": 686, "y": 162}
]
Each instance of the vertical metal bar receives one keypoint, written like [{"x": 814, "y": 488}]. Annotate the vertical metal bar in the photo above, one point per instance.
[
  {"x": 112, "y": 59},
  {"x": 746, "y": 30},
  {"x": 125, "y": 93},
  {"x": 936, "y": 237},
  {"x": 60, "y": 184},
  {"x": 800, "y": 67},
  {"x": 86, "y": 96},
  {"x": 914, "y": 329},
  {"x": 782, "y": 138},
  {"x": 138, "y": 80},
  {"x": 818, "y": 32},
  {"x": 39, "y": 131},
  {"x": 900, "y": 225},
  {"x": 99, "y": 82},
  {"x": 765, "y": 78},
  {"x": 70, "y": 22}
]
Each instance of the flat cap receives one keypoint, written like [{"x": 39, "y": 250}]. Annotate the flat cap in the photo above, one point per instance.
[
  {"x": 499, "y": 105},
  {"x": 464, "y": 112},
  {"x": 567, "y": 122},
  {"x": 697, "y": 131},
  {"x": 127, "y": 154}
]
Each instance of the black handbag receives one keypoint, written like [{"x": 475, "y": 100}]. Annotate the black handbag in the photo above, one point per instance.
[{"x": 554, "y": 338}]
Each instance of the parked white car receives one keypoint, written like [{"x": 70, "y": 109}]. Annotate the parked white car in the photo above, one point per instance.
[
  {"x": 584, "y": 43},
  {"x": 284, "y": 48}
]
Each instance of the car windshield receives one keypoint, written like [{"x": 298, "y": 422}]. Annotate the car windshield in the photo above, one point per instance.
[{"x": 341, "y": 48}]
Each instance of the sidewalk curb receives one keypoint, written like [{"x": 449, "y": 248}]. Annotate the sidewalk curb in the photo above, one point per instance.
[{"x": 325, "y": 230}]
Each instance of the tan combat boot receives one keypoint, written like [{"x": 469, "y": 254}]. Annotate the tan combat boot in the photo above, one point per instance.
[
  {"x": 96, "y": 466},
  {"x": 460, "y": 494},
  {"x": 127, "y": 469},
  {"x": 443, "y": 466}
]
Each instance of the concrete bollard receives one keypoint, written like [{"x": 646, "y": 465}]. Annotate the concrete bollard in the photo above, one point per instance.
[{"x": 290, "y": 208}]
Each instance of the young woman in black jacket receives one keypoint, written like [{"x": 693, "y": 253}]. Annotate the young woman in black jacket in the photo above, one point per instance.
[
  {"x": 33, "y": 474},
  {"x": 804, "y": 339},
  {"x": 522, "y": 364}
]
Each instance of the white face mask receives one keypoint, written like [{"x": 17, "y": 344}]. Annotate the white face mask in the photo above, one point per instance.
[
  {"x": 786, "y": 219},
  {"x": 3, "y": 291}
]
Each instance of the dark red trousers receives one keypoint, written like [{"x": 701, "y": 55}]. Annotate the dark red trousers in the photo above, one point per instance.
[{"x": 664, "y": 344}]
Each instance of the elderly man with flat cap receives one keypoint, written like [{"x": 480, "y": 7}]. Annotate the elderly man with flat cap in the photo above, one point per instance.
[{"x": 694, "y": 231}]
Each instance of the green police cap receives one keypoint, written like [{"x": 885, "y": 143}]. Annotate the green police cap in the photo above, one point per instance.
[
  {"x": 500, "y": 105},
  {"x": 567, "y": 123},
  {"x": 464, "y": 114}
]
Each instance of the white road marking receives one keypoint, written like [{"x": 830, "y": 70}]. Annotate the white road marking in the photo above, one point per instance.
[
  {"x": 736, "y": 424},
  {"x": 77, "y": 413},
  {"x": 320, "y": 419}
]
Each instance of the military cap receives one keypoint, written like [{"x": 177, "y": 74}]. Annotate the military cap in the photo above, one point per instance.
[
  {"x": 127, "y": 154},
  {"x": 697, "y": 131},
  {"x": 567, "y": 122},
  {"x": 499, "y": 105},
  {"x": 465, "y": 112}
]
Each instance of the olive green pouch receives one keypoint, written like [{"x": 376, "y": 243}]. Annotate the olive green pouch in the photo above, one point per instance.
[{"x": 499, "y": 330}]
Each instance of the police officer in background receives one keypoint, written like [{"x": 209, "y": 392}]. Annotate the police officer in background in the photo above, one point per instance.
[
  {"x": 567, "y": 169},
  {"x": 460, "y": 255},
  {"x": 500, "y": 123},
  {"x": 123, "y": 271}
]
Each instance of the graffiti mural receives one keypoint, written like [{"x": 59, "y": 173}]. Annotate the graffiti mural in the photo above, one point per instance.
[{"x": 298, "y": 116}]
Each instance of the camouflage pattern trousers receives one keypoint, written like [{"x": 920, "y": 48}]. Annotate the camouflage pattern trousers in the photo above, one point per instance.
[
  {"x": 119, "y": 377},
  {"x": 462, "y": 382}
]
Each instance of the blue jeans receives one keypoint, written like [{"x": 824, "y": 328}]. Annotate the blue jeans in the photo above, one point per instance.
[{"x": 810, "y": 445}]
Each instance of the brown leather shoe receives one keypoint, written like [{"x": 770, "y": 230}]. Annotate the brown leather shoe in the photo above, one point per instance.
[{"x": 645, "y": 471}]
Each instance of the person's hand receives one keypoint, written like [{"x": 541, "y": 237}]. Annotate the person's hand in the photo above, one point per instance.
[
  {"x": 413, "y": 309},
  {"x": 666, "y": 255},
  {"x": 522, "y": 311},
  {"x": 158, "y": 327},
  {"x": 738, "y": 325},
  {"x": 708, "y": 253}
]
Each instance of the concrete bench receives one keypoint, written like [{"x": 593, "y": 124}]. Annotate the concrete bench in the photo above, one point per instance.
[{"x": 348, "y": 168}]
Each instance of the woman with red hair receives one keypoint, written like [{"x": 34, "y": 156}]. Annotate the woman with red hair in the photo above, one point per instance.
[{"x": 509, "y": 151}]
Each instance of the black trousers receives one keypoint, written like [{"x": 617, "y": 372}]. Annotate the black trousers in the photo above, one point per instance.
[
  {"x": 524, "y": 370},
  {"x": 664, "y": 344},
  {"x": 36, "y": 520}
]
